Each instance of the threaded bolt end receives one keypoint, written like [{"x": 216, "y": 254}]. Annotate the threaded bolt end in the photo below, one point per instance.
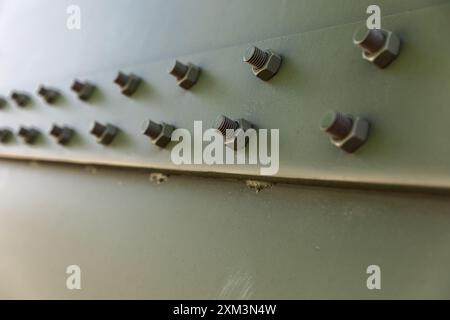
[
  {"x": 77, "y": 86},
  {"x": 24, "y": 132},
  {"x": 223, "y": 123},
  {"x": 256, "y": 57},
  {"x": 97, "y": 129},
  {"x": 336, "y": 124},
  {"x": 152, "y": 129},
  {"x": 43, "y": 91},
  {"x": 21, "y": 99},
  {"x": 29, "y": 135},
  {"x": 19, "y": 96},
  {"x": 179, "y": 70},
  {"x": 122, "y": 79},
  {"x": 369, "y": 40},
  {"x": 56, "y": 131}
]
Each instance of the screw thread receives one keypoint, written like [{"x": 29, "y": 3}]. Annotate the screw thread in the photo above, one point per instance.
[
  {"x": 56, "y": 131},
  {"x": 223, "y": 124},
  {"x": 121, "y": 79},
  {"x": 371, "y": 41},
  {"x": 98, "y": 129},
  {"x": 16, "y": 96},
  {"x": 77, "y": 86},
  {"x": 179, "y": 70},
  {"x": 337, "y": 124},
  {"x": 23, "y": 132},
  {"x": 43, "y": 91},
  {"x": 152, "y": 129},
  {"x": 256, "y": 57}
]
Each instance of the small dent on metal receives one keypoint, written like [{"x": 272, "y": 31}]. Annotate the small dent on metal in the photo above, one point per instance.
[
  {"x": 258, "y": 186},
  {"x": 158, "y": 178}
]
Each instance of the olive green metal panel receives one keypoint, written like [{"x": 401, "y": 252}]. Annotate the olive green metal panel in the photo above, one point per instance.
[
  {"x": 322, "y": 70},
  {"x": 122, "y": 32},
  {"x": 213, "y": 238},
  {"x": 194, "y": 237}
]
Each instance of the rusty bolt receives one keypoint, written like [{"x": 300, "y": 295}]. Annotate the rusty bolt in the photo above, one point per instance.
[
  {"x": 381, "y": 47},
  {"x": 233, "y": 131},
  {"x": 5, "y": 134},
  {"x": 128, "y": 83},
  {"x": 48, "y": 94},
  {"x": 159, "y": 134},
  {"x": 187, "y": 75},
  {"x": 84, "y": 90},
  {"x": 22, "y": 99},
  {"x": 28, "y": 135},
  {"x": 105, "y": 133},
  {"x": 62, "y": 134},
  {"x": 265, "y": 63},
  {"x": 347, "y": 132}
]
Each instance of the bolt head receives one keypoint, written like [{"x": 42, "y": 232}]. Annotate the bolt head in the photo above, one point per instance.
[
  {"x": 49, "y": 95},
  {"x": 388, "y": 52},
  {"x": 270, "y": 69},
  {"x": 165, "y": 137},
  {"x": 190, "y": 78},
  {"x": 240, "y": 135},
  {"x": 84, "y": 90},
  {"x": 128, "y": 83},
  {"x": 356, "y": 138},
  {"x": 21, "y": 99},
  {"x": 109, "y": 135},
  {"x": 62, "y": 135},
  {"x": 29, "y": 136}
]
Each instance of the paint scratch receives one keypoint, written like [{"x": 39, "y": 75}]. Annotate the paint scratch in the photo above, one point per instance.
[
  {"x": 258, "y": 186},
  {"x": 158, "y": 178}
]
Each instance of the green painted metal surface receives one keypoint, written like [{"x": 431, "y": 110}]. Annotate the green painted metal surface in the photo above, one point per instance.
[
  {"x": 322, "y": 70},
  {"x": 193, "y": 237},
  {"x": 213, "y": 238}
]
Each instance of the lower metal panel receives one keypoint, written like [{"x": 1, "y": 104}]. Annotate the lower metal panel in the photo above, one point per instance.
[{"x": 209, "y": 238}]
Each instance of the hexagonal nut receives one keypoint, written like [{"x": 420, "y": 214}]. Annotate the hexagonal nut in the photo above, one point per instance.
[
  {"x": 29, "y": 136},
  {"x": 271, "y": 67},
  {"x": 387, "y": 54},
  {"x": 165, "y": 137},
  {"x": 65, "y": 136},
  {"x": 356, "y": 138},
  {"x": 240, "y": 135},
  {"x": 190, "y": 78},
  {"x": 109, "y": 135},
  {"x": 21, "y": 99},
  {"x": 132, "y": 85},
  {"x": 5, "y": 135},
  {"x": 84, "y": 90}
]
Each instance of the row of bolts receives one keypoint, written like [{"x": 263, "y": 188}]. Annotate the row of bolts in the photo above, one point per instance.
[{"x": 265, "y": 64}]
